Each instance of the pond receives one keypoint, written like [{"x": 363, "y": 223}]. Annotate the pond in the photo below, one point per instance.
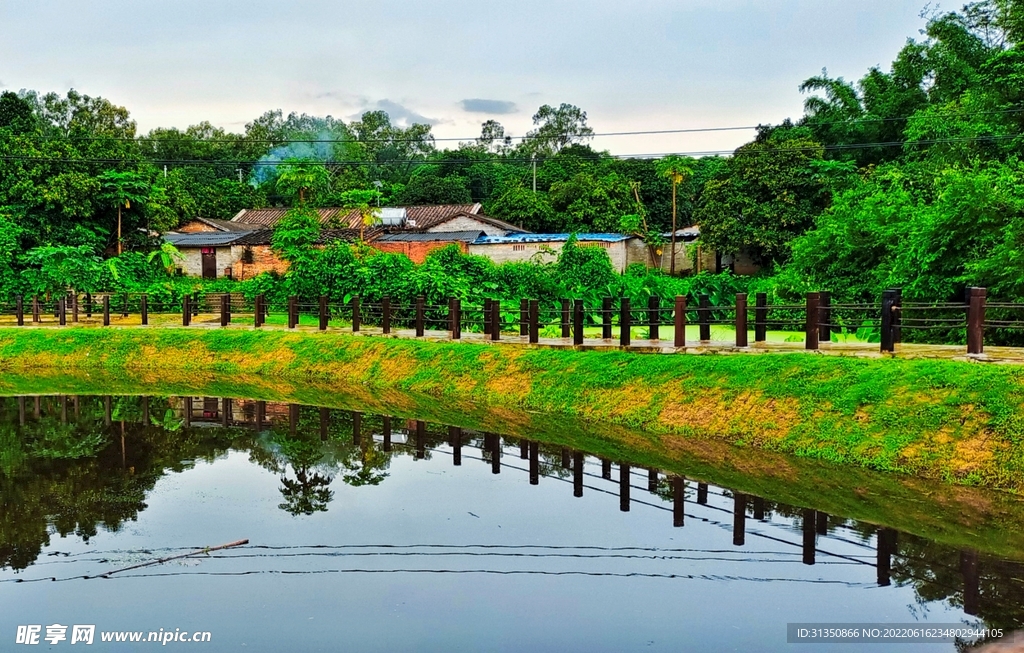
[{"x": 375, "y": 533}]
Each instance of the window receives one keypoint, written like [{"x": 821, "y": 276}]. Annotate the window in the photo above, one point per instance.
[{"x": 518, "y": 248}]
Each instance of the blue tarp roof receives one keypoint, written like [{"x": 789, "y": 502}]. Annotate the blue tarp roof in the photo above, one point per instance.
[{"x": 548, "y": 238}]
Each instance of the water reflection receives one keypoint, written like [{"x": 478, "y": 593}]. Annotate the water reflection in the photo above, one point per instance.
[{"x": 76, "y": 465}]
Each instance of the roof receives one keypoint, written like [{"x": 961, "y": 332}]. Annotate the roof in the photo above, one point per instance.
[
  {"x": 204, "y": 238},
  {"x": 486, "y": 219},
  {"x": 419, "y": 217},
  {"x": 327, "y": 236},
  {"x": 687, "y": 233},
  {"x": 432, "y": 237},
  {"x": 549, "y": 238},
  {"x": 225, "y": 225}
]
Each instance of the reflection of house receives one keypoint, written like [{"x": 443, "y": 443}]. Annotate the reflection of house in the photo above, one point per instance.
[
  {"x": 240, "y": 247},
  {"x": 622, "y": 250}
]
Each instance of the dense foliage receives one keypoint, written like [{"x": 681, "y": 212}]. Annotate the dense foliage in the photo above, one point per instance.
[{"x": 908, "y": 177}]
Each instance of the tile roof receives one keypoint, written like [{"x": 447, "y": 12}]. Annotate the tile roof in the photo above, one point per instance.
[
  {"x": 204, "y": 238},
  {"x": 549, "y": 238},
  {"x": 225, "y": 225},
  {"x": 422, "y": 217},
  {"x": 432, "y": 237}
]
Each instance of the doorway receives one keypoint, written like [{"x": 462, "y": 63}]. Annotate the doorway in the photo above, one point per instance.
[{"x": 209, "y": 263}]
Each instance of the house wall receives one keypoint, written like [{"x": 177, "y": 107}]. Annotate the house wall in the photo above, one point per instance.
[
  {"x": 265, "y": 260},
  {"x": 466, "y": 223},
  {"x": 417, "y": 251},
  {"x": 505, "y": 252},
  {"x": 194, "y": 227}
]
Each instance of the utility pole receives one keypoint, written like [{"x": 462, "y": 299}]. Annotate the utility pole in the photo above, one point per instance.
[
  {"x": 534, "y": 158},
  {"x": 239, "y": 171},
  {"x": 165, "y": 171}
]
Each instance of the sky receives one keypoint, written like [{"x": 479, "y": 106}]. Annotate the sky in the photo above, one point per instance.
[{"x": 631, "y": 65}]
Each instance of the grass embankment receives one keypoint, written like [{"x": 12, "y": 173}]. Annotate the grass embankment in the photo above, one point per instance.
[{"x": 940, "y": 419}]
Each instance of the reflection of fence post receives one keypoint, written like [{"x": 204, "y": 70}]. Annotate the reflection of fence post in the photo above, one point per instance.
[
  {"x": 702, "y": 493},
  {"x": 577, "y": 322},
  {"x": 623, "y": 487},
  {"x": 678, "y": 501},
  {"x": 356, "y": 314},
  {"x": 811, "y": 327},
  {"x": 824, "y": 317},
  {"x": 421, "y": 439},
  {"x": 808, "y": 531},
  {"x": 534, "y": 320},
  {"x": 386, "y": 428},
  {"x": 325, "y": 421},
  {"x": 385, "y": 317},
  {"x": 357, "y": 428},
  {"x": 420, "y": 310},
  {"x": 606, "y": 318},
  {"x": 625, "y": 323},
  {"x": 565, "y": 319},
  {"x": 680, "y": 321},
  {"x": 741, "y": 319},
  {"x": 976, "y": 321},
  {"x": 577, "y": 474},
  {"x": 606, "y": 469},
  {"x": 524, "y": 317},
  {"x": 704, "y": 318},
  {"x": 739, "y": 518},
  {"x": 760, "y": 317},
  {"x": 885, "y": 544},
  {"x": 495, "y": 319},
  {"x": 455, "y": 434},
  {"x": 106, "y": 312},
  {"x": 652, "y": 481},
  {"x": 972, "y": 589},
  {"x": 323, "y": 313},
  {"x": 888, "y": 304},
  {"x": 143, "y": 308},
  {"x": 534, "y": 463},
  {"x": 20, "y": 310},
  {"x": 654, "y": 317}
]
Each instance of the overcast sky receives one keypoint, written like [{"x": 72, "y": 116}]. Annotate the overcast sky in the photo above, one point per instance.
[{"x": 631, "y": 64}]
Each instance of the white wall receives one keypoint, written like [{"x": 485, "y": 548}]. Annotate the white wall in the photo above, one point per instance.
[
  {"x": 192, "y": 264},
  {"x": 466, "y": 223},
  {"x": 505, "y": 252}
]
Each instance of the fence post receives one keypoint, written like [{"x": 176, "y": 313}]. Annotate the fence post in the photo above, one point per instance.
[
  {"x": 524, "y": 317},
  {"x": 451, "y": 317},
  {"x": 457, "y": 320},
  {"x": 106, "y": 311},
  {"x": 62, "y": 309},
  {"x": 487, "y": 317},
  {"x": 741, "y": 319},
  {"x": 811, "y": 327},
  {"x": 88, "y": 305},
  {"x": 654, "y": 317},
  {"x": 356, "y": 314},
  {"x": 495, "y": 319},
  {"x": 760, "y": 317},
  {"x": 186, "y": 309},
  {"x": 124, "y": 306},
  {"x": 888, "y": 302},
  {"x": 224, "y": 310},
  {"x": 74, "y": 307},
  {"x": 680, "y": 321},
  {"x": 419, "y": 316},
  {"x": 565, "y": 319},
  {"x": 606, "y": 318},
  {"x": 323, "y": 313},
  {"x": 257, "y": 309},
  {"x": 143, "y": 308},
  {"x": 897, "y": 317},
  {"x": 824, "y": 317},
  {"x": 534, "y": 319},
  {"x": 577, "y": 322},
  {"x": 704, "y": 318},
  {"x": 976, "y": 321},
  {"x": 21, "y": 310},
  {"x": 385, "y": 309},
  {"x": 293, "y": 312},
  {"x": 35, "y": 309},
  {"x": 625, "y": 323}
]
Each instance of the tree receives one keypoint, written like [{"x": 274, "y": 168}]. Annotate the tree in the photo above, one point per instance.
[
  {"x": 15, "y": 113},
  {"x": 301, "y": 178},
  {"x": 518, "y": 205},
  {"x": 363, "y": 201},
  {"x": 557, "y": 128},
  {"x": 121, "y": 189},
  {"x": 431, "y": 189},
  {"x": 677, "y": 170},
  {"x": 296, "y": 232}
]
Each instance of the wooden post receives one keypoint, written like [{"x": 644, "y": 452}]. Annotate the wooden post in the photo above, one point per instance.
[
  {"x": 188, "y": 413},
  {"x": 524, "y": 449},
  {"x": 885, "y": 545},
  {"x": 741, "y": 319},
  {"x": 293, "y": 419},
  {"x": 811, "y": 327},
  {"x": 420, "y": 309},
  {"x": 74, "y": 307},
  {"x": 652, "y": 481},
  {"x": 976, "y": 321},
  {"x": 495, "y": 452},
  {"x": 62, "y": 308},
  {"x": 257, "y": 311},
  {"x": 654, "y": 317},
  {"x": 972, "y": 584},
  {"x": 106, "y": 410},
  {"x": 566, "y": 461},
  {"x": 88, "y": 305},
  {"x": 124, "y": 305},
  {"x": 224, "y": 310},
  {"x": 20, "y": 310},
  {"x": 680, "y": 321},
  {"x": 143, "y": 308},
  {"x": 261, "y": 413},
  {"x": 824, "y": 317},
  {"x": 606, "y": 318},
  {"x": 534, "y": 319},
  {"x": 524, "y": 317},
  {"x": 323, "y": 313},
  {"x": 356, "y": 315},
  {"x": 739, "y": 518},
  {"x": 759, "y": 508},
  {"x": 106, "y": 311},
  {"x": 186, "y": 308},
  {"x": 487, "y": 317},
  {"x": 678, "y": 501},
  {"x": 387, "y": 432},
  {"x": 225, "y": 416},
  {"x": 421, "y": 439},
  {"x": 760, "y": 317},
  {"x": 565, "y": 319},
  {"x": 623, "y": 487},
  {"x": 808, "y": 542},
  {"x": 35, "y": 309},
  {"x": 455, "y": 434},
  {"x": 606, "y": 469},
  {"x": 625, "y": 323},
  {"x": 293, "y": 312},
  {"x": 534, "y": 463},
  {"x": 385, "y": 309},
  {"x": 821, "y": 522},
  {"x": 457, "y": 335},
  {"x": 325, "y": 424},
  {"x": 702, "y": 493},
  {"x": 704, "y": 318},
  {"x": 577, "y": 322},
  {"x": 495, "y": 320},
  {"x": 577, "y": 474},
  {"x": 888, "y": 304}
]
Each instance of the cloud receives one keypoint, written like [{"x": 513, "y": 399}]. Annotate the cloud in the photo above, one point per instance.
[
  {"x": 400, "y": 114},
  {"x": 476, "y": 105}
]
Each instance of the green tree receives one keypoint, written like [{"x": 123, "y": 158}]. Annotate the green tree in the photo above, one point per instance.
[
  {"x": 677, "y": 170},
  {"x": 120, "y": 189}
]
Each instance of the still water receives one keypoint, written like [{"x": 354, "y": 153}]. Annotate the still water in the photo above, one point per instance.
[{"x": 373, "y": 533}]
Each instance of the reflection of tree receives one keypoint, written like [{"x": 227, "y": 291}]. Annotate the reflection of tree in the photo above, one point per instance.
[{"x": 309, "y": 492}]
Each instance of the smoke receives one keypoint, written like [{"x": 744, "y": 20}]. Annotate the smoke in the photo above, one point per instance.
[{"x": 320, "y": 149}]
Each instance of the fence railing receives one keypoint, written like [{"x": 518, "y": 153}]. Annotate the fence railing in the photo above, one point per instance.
[{"x": 817, "y": 318}]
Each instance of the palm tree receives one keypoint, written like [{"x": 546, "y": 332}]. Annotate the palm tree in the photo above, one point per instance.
[
  {"x": 364, "y": 202},
  {"x": 123, "y": 188},
  {"x": 677, "y": 169},
  {"x": 300, "y": 176}
]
